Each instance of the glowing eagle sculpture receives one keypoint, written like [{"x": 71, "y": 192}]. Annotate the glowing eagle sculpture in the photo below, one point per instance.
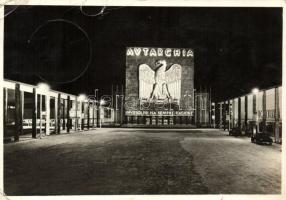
[{"x": 161, "y": 83}]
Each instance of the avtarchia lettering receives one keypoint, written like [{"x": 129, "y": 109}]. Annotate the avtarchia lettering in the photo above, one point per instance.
[{"x": 159, "y": 52}]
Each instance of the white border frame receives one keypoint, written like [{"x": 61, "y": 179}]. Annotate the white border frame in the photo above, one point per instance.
[{"x": 161, "y": 3}]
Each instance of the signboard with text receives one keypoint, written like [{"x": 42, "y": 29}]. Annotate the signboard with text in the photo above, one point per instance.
[{"x": 159, "y": 76}]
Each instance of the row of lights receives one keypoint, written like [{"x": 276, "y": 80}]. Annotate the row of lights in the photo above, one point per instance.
[
  {"x": 83, "y": 97},
  {"x": 253, "y": 91},
  {"x": 43, "y": 87}
]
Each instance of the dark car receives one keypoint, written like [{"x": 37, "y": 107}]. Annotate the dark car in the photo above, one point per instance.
[
  {"x": 235, "y": 131},
  {"x": 261, "y": 138}
]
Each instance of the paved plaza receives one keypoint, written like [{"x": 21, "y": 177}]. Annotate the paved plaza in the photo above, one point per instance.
[{"x": 141, "y": 161}]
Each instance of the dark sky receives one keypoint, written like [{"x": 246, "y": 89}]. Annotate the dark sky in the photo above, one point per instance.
[{"x": 235, "y": 49}]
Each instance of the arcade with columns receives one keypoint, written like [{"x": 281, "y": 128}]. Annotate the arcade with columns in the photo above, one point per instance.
[{"x": 37, "y": 111}]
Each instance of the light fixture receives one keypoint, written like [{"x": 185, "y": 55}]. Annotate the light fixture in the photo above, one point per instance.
[
  {"x": 43, "y": 87},
  {"x": 255, "y": 90},
  {"x": 102, "y": 102},
  {"x": 82, "y": 97}
]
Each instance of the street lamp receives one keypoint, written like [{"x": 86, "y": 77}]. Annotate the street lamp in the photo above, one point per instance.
[
  {"x": 255, "y": 116},
  {"x": 101, "y": 110},
  {"x": 97, "y": 107}
]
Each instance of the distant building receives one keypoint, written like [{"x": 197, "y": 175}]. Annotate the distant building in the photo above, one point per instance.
[{"x": 159, "y": 89}]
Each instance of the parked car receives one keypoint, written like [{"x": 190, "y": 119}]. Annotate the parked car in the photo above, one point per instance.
[
  {"x": 261, "y": 138},
  {"x": 235, "y": 131}
]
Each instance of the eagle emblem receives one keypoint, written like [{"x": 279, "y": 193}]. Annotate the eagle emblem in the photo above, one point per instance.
[{"x": 160, "y": 84}]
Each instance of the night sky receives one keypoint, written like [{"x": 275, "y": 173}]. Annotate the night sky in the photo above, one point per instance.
[{"x": 75, "y": 50}]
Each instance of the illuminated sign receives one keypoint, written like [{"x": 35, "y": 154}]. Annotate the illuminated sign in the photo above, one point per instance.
[
  {"x": 156, "y": 76},
  {"x": 157, "y": 52}
]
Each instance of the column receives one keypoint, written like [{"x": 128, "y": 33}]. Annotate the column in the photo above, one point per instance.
[
  {"x": 63, "y": 115},
  {"x": 48, "y": 114},
  {"x": 230, "y": 115},
  {"x": 209, "y": 110},
  {"x": 82, "y": 114},
  {"x": 121, "y": 109},
  {"x": 220, "y": 115},
  {"x": 59, "y": 114},
  {"x": 239, "y": 115},
  {"x": 22, "y": 106},
  {"x": 34, "y": 114},
  {"x": 5, "y": 103},
  {"x": 246, "y": 113},
  {"x": 68, "y": 114},
  {"x": 41, "y": 117},
  {"x": 264, "y": 111},
  {"x": 233, "y": 113},
  {"x": 88, "y": 115},
  {"x": 254, "y": 129},
  {"x": 276, "y": 129},
  {"x": 56, "y": 115},
  {"x": 224, "y": 114},
  {"x": 18, "y": 114},
  {"x": 116, "y": 111},
  {"x": 217, "y": 115},
  {"x": 214, "y": 114},
  {"x": 93, "y": 114},
  {"x": 76, "y": 110},
  {"x": 98, "y": 113},
  {"x": 195, "y": 109},
  {"x": 112, "y": 114}
]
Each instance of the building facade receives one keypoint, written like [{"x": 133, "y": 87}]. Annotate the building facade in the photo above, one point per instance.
[
  {"x": 159, "y": 87},
  {"x": 253, "y": 113},
  {"x": 38, "y": 111}
]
